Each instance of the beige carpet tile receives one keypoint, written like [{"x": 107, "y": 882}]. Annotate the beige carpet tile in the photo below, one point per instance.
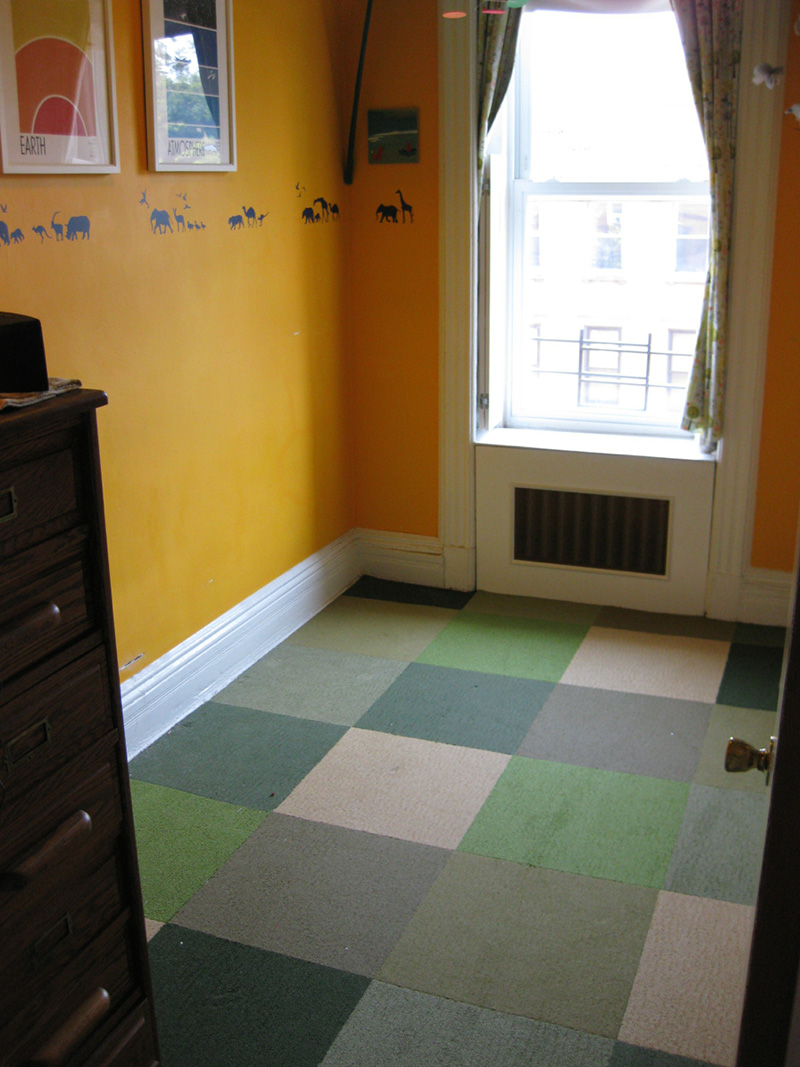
[
  {"x": 560, "y": 948},
  {"x": 693, "y": 969},
  {"x": 151, "y": 927},
  {"x": 374, "y": 628},
  {"x": 750, "y": 724},
  {"x": 528, "y": 607},
  {"x": 686, "y": 668},
  {"x": 416, "y": 790}
]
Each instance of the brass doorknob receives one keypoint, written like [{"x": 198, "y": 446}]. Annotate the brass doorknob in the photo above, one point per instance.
[{"x": 742, "y": 756}]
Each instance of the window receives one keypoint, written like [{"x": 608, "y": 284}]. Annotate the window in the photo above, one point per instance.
[{"x": 606, "y": 224}]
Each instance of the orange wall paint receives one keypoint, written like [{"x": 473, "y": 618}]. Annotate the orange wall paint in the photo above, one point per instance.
[
  {"x": 393, "y": 283},
  {"x": 225, "y": 449},
  {"x": 778, "y": 491}
]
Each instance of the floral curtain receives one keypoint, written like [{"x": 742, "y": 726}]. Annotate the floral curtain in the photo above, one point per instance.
[
  {"x": 497, "y": 49},
  {"x": 711, "y": 31}
]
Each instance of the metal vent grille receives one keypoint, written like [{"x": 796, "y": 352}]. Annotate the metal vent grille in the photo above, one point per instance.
[{"x": 597, "y": 530}]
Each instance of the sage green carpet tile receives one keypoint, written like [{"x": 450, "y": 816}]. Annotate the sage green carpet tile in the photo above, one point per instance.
[
  {"x": 398, "y": 786},
  {"x": 499, "y": 644},
  {"x": 548, "y": 946},
  {"x": 312, "y": 683},
  {"x": 404, "y": 593},
  {"x": 599, "y": 823},
  {"x": 379, "y": 628},
  {"x": 486, "y": 711},
  {"x": 531, "y": 607},
  {"x": 685, "y": 668},
  {"x": 221, "y": 1004},
  {"x": 752, "y": 725},
  {"x": 718, "y": 851},
  {"x": 393, "y": 1027},
  {"x": 654, "y": 736},
  {"x": 688, "y": 993},
  {"x": 317, "y": 892},
  {"x": 752, "y": 677},
  {"x": 238, "y": 755},
  {"x": 656, "y": 623},
  {"x": 181, "y": 840}
]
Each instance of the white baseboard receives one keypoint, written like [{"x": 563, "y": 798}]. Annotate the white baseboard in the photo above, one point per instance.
[
  {"x": 401, "y": 557},
  {"x": 171, "y": 687},
  {"x": 759, "y": 596}
]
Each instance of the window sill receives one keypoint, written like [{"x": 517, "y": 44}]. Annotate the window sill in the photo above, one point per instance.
[{"x": 610, "y": 444}]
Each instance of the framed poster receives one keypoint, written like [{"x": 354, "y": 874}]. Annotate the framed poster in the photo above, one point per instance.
[
  {"x": 57, "y": 102},
  {"x": 393, "y": 135},
  {"x": 188, "y": 50}
]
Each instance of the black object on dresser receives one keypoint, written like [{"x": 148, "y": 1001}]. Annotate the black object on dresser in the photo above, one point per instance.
[{"x": 74, "y": 977}]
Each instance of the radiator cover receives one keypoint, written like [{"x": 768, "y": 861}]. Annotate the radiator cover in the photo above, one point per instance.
[{"x": 600, "y": 531}]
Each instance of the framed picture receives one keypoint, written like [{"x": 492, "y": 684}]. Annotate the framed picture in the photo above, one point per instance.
[
  {"x": 188, "y": 50},
  {"x": 57, "y": 101},
  {"x": 393, "y": 135}
]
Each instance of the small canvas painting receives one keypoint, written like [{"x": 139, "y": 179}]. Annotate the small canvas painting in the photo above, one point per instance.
[{"x": 393, "y": 135}]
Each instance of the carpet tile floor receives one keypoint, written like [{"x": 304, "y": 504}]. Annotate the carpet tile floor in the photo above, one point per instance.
[{"x": 435, "y": 829}]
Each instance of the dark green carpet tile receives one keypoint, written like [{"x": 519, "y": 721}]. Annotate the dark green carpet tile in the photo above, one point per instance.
[
  {"x": 720, "y": 844},
  {"x": 465, "y": 708},
  {"x": 750, "y": 634},
  {"x": 655, "y": 736},
  {"x": 393, "y": 1027},
  {"x": 321, "y": 893},
  {"x": 404, "y": 593},
  {"x": 238, "y": 755},
  {"x": 603, "y": 824},
  {"x": 654, "y": 623},
  {"x": 752, "y": 677},
  {"x": 219, "y": 1004},
  {"x": 494, "y": 644},
  {"x": 181, "y": 840},
  {"x": 633, "y": 1056}
]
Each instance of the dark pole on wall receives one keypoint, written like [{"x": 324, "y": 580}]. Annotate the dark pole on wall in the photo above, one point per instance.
[{"x": 348, "y": 167}]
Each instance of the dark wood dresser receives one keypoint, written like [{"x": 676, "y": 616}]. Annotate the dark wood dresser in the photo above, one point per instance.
[{"x": 74, "y": 978}]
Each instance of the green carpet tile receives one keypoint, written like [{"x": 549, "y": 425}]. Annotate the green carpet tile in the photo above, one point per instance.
[
  {"x": 599, "y": 823},
  {"x": 221, "y": 1004},
  {"x": 446, "y": 829},
  {"x": 497, "y": 644},
  {"x": 458, "y": 707},
  {"x": 181, "y": 840}
]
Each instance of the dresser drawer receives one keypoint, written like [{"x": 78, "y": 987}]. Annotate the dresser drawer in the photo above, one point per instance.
[
  {"x": 62, "y": 1015},
  {"x": 38, "y": 499},
  {"x": 67, "y": 823},
  {"x": 131, "y": 1045},
  {"x": 46, "y": 605},
  {"x": 55, "y": 923},
  {"x": 52, "y": 722}
]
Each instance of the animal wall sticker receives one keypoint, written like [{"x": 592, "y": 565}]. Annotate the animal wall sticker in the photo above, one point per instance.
[
  {"x": 76, "y": 227},
  {"x": 388, "y": 212},
  {"x": 247, "y": 219},
  {"x": 171, "y": 220},
  {"x": 320, "y": 211}
]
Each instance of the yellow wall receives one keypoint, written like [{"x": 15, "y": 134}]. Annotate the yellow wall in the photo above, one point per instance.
[
  {"x": 225, "y": 447},
  {"x": 778, "y": 495}
]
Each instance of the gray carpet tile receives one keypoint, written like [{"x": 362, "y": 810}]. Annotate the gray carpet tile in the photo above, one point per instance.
[
  {"x": 313, "y": 683},
  {"x": 316, "y": 892},
  {"x": 654, "y": 736},
  {"x": 394, "y": 1027}
]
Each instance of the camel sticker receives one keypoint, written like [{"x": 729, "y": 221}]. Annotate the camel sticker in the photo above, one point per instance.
[
  {"x": 247, "y": 219},
  {"x": 321, "y": 210},
  {"x": 388, "y": 212}
]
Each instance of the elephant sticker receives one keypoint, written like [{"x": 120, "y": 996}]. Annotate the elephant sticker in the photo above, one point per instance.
[
  {"x": 159, "y": 221},
  {"x": 386, "y": 213}
]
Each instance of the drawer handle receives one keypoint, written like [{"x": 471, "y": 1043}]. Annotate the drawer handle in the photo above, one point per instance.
[
  {"x": 8, "y": 504},
  {"x": 75, "y": 1030},
  {"x": 28, "y": 743},
  {"x": 42, "y": 618},
  {"x": 51, "y": 940},
  {"x": 70, "y": 834}
]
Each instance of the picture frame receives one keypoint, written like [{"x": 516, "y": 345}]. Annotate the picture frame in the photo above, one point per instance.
[
  {"x": 393, "y": 135},
  {"x": 58, "y": 108},
  {"x": 188, "y": 55}
]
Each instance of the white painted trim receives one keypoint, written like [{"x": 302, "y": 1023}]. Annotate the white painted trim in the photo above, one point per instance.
[
  {"x": 457, "y": 297},
  {"x": 193, "y": 672},
  {"x": 401, "y": 557},
  {"x": 731, "y": 586}
]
